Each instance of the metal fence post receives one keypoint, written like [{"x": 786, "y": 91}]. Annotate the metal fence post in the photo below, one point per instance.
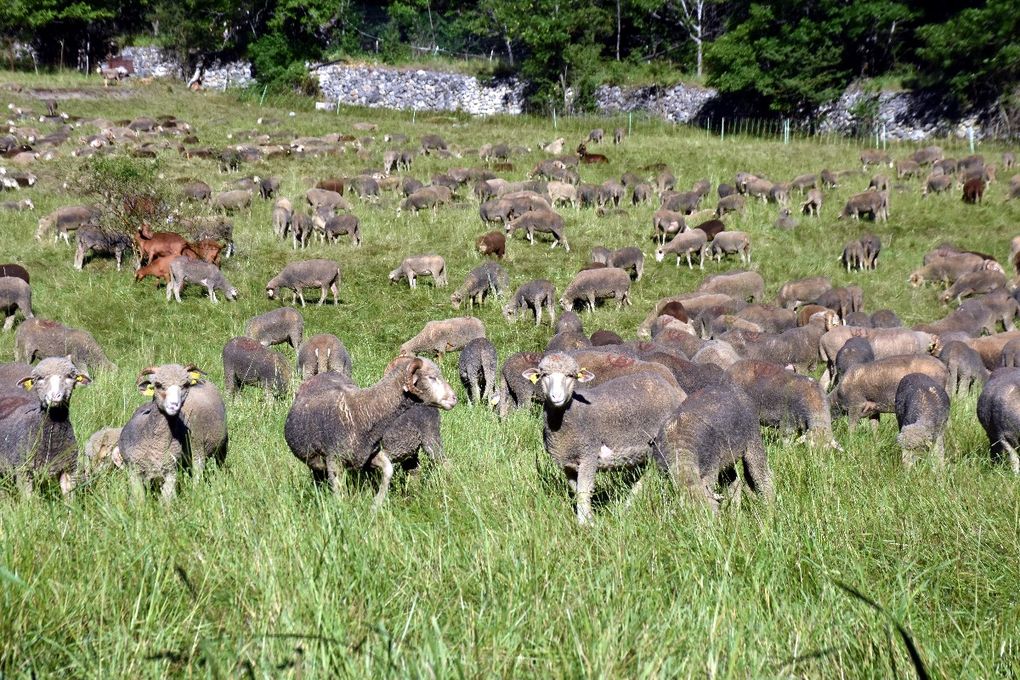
[{"x": 722, "y": 129}]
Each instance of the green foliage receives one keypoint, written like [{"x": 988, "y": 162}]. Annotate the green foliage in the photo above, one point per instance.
[{"x": 121, "y": 184}]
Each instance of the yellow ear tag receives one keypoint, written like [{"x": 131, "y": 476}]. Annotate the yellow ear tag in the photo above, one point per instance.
[
  {"x": 27, "y": 384},
  {"x": 79, "y": 378},
  {"x": 149, "y": 391},
  {"x": 533, "y": 378}
]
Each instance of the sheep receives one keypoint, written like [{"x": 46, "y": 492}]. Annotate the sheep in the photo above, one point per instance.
[
  {"x": 477, "y": 368},
  {"x": 421, "y": 265},
  {"x": 332, "y": 426},
  {"x": 196, "y": 191},
  {"x": 101, "y": 450},
  {"x": 283, "y": 213},
  {"x": 875, "y": 157},
  {"x": 855, "y": 351},
  {"x": 100, "y": 241},
  {"x": 63, "y": 220},
  {"x": 10, "y": 374},
  {"x": 885, "y": 318},
  {"x": 842, "y": 300},
  {"x": 247, "y": 362},
  {"x": 869, "y": 389},
  {"x": 629, "y": 258},
  {"x": 184, "y": 425},
  {"x": 484, "y": 279},
  {"x": 38, "y": 339},
  {"x": 340, "y": 225},
  {"x": 973, "y": 190},
  {"x": 535, "y": 295},
  {"x": 853, "y": 255},
  {"x": 874, "y": 203},
  {"x": 275, "y": 327},
  {"x": 36, "y": 435},
  {"x": 936, "y": 184},
  {"x": 734, "y": 203},
  {"x": 232, "y": 201},
  {"x": 324, "y": 198},
  {"x": 812, "y": 205},
  {"x": 885, "y": 342},
  {"x": 545, "y": 221},
  {"x": 946, "y": 269},
  {"x": 414, "y": 430},
  {"x": 667, "y": 223},
  {"x": 785, "y": 400},
  {"x": 422, "y": 199},
  {"x": 998, "y": 411},
  {"x": 989, "y": 347},
  {"x": 737, "y": 284},
  {"x": 971, "y": 283},
  {"x": 604, "y": 338},
  {"x": 694, "y": 241},
  {"x": 879, "y": 183},
  {"x": 730, "y": 242},
  {"x": 907, "y": 168},
  {"x": 15, "y": 296},
  {"x": 432, "y": 143},
  {"x": 712, "y": 228},
  {"x": 795, "y": 293},
  {"x": 922, "y": 409},
  {"x": 17, "y": 206},
  {"x": 446, "y": 335},
  {"x": 785, "y": 221},
  {"x": 609, "y": 426},
  {"x": 515, "y": 391},
  {"x": 184, "y": 270},
  {"x": 318, "y": 273},
  {"x": 701, "y": 442},
  {"x": 595, "y": 284},
  {"x": 322, "y": 353}
]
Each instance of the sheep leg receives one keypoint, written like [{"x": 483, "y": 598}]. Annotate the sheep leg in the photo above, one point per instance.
[
  {"x": 333, "y": 474},
  {"x": 1014, "y": 459},
  {"x": 169, "y": 488},
  {"x": 757, "y": 472},
  {"x": 177, "y": 290},
  {"x": 383, "y": 464},
  {"x": 476, "y": 391},
  {"x": 940, "y": 449},
  {"x": 322, "y": 295},
  {"x": 197, "y": 468},
  {"x": 301, "y": 296},
  {"x": 212, "y": 293},
  {"x": 9, "y": 322},
  {"x": 66, "y": 483},
  {"x": 585, "y": 487}
]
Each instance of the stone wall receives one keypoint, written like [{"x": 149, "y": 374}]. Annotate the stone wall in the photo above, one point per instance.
[
  {"x": 905, "y": 116},
  {"x": 391, "y": 88},
  {"x": 152, "y": 62},
  {"x": 680, "y": 103}
]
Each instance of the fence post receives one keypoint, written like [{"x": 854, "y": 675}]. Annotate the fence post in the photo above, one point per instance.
[
  {"x": 555, "y": 126},
  {"x": 630, "y": 122},
  {"x": 722, "y": 129},
  {"x": 786, "y": 131},
  {"x": 885, "y": 137},
  {"x": 264, "y": 96},
  {"x": 970, "y": 137}
]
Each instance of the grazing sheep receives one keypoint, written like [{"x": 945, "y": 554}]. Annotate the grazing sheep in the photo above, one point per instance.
[
  {"x": 39, "y": 339},
  {"x": 596, "y": 284},
  {"x": 874, "y": 203},
  {"x": 741, "y": 285},
  {"x": 702, "y": 441},
  {"x": 322, "y": 353},
  {"x": 301, "y": 229},
  {"x": 937, "y": 184},
  {"x": 869, "y": 389},
  {"x": 879, "y": 183},
  {"x": 15, "y": 296},
  {"x": 232, "y": 201},
  {"x": 973, "y": 190},
  {"x": 843, "y": 301},
  {"x": 610, "y": 426},
  {"x": 320, "y": 273},
  {"x": 422, "y": 199},
  {"x": 36, "y": 435},
  {"x": 247, "y": 362},
  {"x": 284, "y": 324},
  {"x": 63, "y": 220},
  {"x": 712, "y": 228},
  {"x": 324, "y": 198},
  {"x": 534, "y": 295},
  {"x": 420, "y": 265},
  {"x": 1011, "y": 354},
  {"x": 667, "y": 223},
  {"x": 283, "y": 213},
  {"x": 484, "y": 279},
  {"x": 184, "y": 425},
  {"x": 718, "y": 353},
  {"x": 17, "y": 206},
  {"x": 732, "y": 242},
  {"x": 196, "y": 191},
  {"x": 875, "y": 157},
  {"x": 855, "y": 351},
  {"x": 445, "y": 335},
  {"x": 885, "y": 318},
  {"x": 989, "y": 347},
  {"x": 477, "y": 367},
  {"x": 516, "y": 391},
  {"x": 998, "y": 410},
  {"x": 604, "y": 338},
  {"x": 885, "y": 342},
  {"x": 544, "y": 221},
  {"x": 596, "y": 135},
  {"x": 734, "y": 203},
  {"x": 785, "y": 221},
  {"x": 946, "y": 269},
  {"x": 812, "y": 205},
  {"x": 432, "y": 143},
  {"x": 341, "y": 225},
  {"x": 853, "y": 255},
  {"x": 683, "y": 244},
  {"x": 100, "y": 242},
  {"x": 629, "y": 258},
  {"x": 795, "y": 293},
  {"x": 492, "y": 243},
  {"x": 974, "y": 283},
  {"x": 922, "y": 409},
  {"x": 184, "y": 270},
  {"x": 333, "y": 426}
]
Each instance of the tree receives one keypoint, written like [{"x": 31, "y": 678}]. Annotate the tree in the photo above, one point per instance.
[{"x": 693, "y": 21}]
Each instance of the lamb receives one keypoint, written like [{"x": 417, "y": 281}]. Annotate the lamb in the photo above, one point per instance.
[
  {"x": 610, "y": 426},
  {"x": 232, "y": 201},
  {"x": 284, "y": 324},
  {"x": 421, "y": 265},
  {"x": 38, "y": 339},
  {"x": 998, "y": 410},
  {"x": 319, "y": 273},
  {"x": 785, "y": 400},
  {"x": 184, "y": 425},
  {"x": 737, "y": 284},
  {"x": 971, "y": 283},
  {"x": 693, "y": 241},
  {"x": 545, "y": 221},
  {"x": 795, "y": 293},
  {"x": 247, "y": 362},
  {"x": 785, "y": 221},
  {"x": 15, "y": 296},
  {"x": 36, "y": 435},
  {"x": 732, "y": 242},
  {"x": 701, "y": 442},
  {"x": 492, "y": 243},
  {"x": 595, "y": 284},
  {"x": 477, "y": 367},
  {"x": 100, "y": 241},
  {"x": 331, "y": 426},
  {"x": 868, "y": 390},
  {"x": 922, "y": 409},
  {"x": 535, "y": 295},
  {"x": 484, "y": 279},
  {"x": 322, "y": 353},
  {"x": 18, "y": 206},
  {"x": 185, "y": 270},
  {"x": 446, "y": 335}
]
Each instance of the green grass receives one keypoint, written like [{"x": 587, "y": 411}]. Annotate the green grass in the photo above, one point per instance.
[{"x": 479, "y": 569}]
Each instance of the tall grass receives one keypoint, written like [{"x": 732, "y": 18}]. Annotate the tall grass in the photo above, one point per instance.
[{"x": 478, "y": 569}]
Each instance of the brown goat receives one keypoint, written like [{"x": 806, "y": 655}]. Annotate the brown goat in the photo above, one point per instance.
[
  {"x": 152, "y": 244},
  {"x": 590, "y": 158}
]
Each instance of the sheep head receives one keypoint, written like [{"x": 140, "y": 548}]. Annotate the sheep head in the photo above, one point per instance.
[
  {"x": 558, "y": 374},
  {"x": 168, "y": 385},
  {"x": 424, "y": 382},
  {"x": 53, "y": 380}
]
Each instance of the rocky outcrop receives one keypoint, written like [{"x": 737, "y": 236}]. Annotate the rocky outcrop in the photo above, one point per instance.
[
  {"x": 680, "y": 103},
  {"x": 904, "y": 116}
]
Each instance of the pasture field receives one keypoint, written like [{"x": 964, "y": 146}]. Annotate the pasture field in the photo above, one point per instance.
[{"x": 479, "y": 568}]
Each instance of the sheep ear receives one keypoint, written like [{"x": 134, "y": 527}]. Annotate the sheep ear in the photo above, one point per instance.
[
  {"x": 532, "y": 374},
  {"x": 27, "y": 383},
  {"x": 146, "y": 389},
  {"x": 584, "y": 375},
  {"x": 195, "y": 373},
  {"x": 412, "y": 373},
  {"x": 82, "y": 379}
]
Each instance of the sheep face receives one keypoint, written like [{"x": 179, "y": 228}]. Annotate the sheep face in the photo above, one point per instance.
[
  {"x": 659, "y": 255},
  {"x": 53, "y": 380},
  {"x": 510, "y": 311},
  {"x": 558, "y": 374},
  {"x": 424, "y": 382},
  {"x": 168, "y": 385}
]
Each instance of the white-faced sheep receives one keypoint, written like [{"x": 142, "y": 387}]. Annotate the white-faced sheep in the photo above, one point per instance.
[{"x": 321, "y": 274}]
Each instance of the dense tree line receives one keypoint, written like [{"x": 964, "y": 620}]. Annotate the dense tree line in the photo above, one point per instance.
[{"x": 785, "y": 56}]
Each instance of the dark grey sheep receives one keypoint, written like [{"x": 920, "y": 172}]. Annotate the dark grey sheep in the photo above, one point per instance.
[
  {"x": 868, "y": 390},
  {"x": 535, "y": 295},
  {"x": 998, "y": 411},
  {"x": 570, "y": 321},
  {"x": 855, "y": 351},
  {"x": 247, "y": 362},
  {"x": 39, "y": 338},
  {"x": 444, "y": 335},
  {"x": 184, "y": 425},
  {"x": 544, "y": 221},
  {"x": 595, "y": 284},
  {"x": 11, "y": 375},
  {"x": 701, "y": 442},
  {"x": 185, "y": 270},
  {"x": 413, "y": 431},
  {"x": 341, "y": 225},
  {"x": 277, "y": 326},
  {"x": 484, "y": 279},
  {"x": 100, "y": 242},
  {"x": 885, "y": 318},
  {"x": 966, "y": 370},
  {"x": 516, "y": 391},
  {"x": 36, "y": 435},
  {"x": 607, "y": 427},
  {"x": 477, "y": 366},
  {"x": 333, "y": 425},
  {"x": 922, "y": 410},
  {"x": 15, "y": 296},
  {"x": 321, "y": 274},
  {"x": 566, "y": 341},
  {"x": 322, "y": 353}
]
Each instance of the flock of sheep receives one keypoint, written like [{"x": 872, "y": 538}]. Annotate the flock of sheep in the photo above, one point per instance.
[{"x": 709, "y": 368}]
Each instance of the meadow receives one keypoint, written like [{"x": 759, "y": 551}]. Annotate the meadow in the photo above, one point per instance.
[{"x": 479, "y": 568}]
